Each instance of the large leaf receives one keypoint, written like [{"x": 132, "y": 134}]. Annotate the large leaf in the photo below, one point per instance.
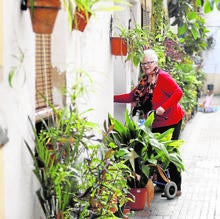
[
  {"x": 191, "y": 15},
  {"x": 177, "y": 161},
  {"x": 182, "y": 29},
  {"x": 198, "y": 3},
  {"x": 208, "y": 6},
  {"x": 158, "y": 145},
  {"x": 150, "y": 192},
  {"x": 174, "y": 143},
  {"x": 162, "y": 173},
  {"x": 195, "y": 32},
  {"x": 165, "y": 136},
  {"x": 149, "y": 121},
  {"x": 119, "y": 127},
  {"x": 146, "y": 170},
  {"x": 132, "y": 156}
]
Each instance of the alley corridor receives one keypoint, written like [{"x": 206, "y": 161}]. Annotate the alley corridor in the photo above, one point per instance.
[{"x": 200, "y": 187}]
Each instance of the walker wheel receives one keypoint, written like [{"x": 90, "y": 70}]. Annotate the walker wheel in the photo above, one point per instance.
[{"x": 170, "y": 190}]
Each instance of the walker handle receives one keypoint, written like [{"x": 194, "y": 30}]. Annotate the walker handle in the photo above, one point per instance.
[{"x": 154, "y": 111}]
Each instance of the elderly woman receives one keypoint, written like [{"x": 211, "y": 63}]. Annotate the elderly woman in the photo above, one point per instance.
[{"x": 158, "y": 91}]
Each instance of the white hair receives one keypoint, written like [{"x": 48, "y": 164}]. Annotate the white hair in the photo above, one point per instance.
[{"x": 150, "y": 53}]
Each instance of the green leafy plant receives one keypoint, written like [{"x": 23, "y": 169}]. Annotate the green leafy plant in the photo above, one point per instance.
[
  {"x": 103, "y": 185},
  {"x": 190, "y": 80},
  {"x": 136, "y": 39},
  {"x": 18, "y": 68},
  {"x": 57, "y": 149},
  {"x": 208, "y": 6},
  {"x": 191, "y": 26},
  {"x": 140, "y": 148},
  {"x": 87, "y": 6},
  {"x": 78, "y": 175}
]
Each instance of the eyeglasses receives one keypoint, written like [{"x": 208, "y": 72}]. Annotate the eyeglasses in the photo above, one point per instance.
[{"x": 146, "y": 63}]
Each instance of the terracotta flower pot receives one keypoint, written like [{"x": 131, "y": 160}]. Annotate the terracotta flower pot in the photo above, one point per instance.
[
  {"x": 126, "y": 212},
  {"x": 118, "y": 46},
  {"x": 43, "y": 15},
  {"x": 80, "y": 20},
  {"x": 139, "y": 197}
]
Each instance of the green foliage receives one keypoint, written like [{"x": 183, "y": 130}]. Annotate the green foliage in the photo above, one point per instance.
[
  {"x": 103, "y": 184},
  {"x": 191, "y": 26},
  {"x": 210, "y": 5},
  {"x": 57, "y": 149},
  {"x": 136, "y": 38},
  {"x": 140, "y": 148},
  {"x": 159, "y": 20},
  {"x": 87, "y": 6},
  {"x": 78, "y": 175},
  {"x": 17, "y": 69},
  {"x": 174, "y": 59},
  {"x": 188, "y": 77}
]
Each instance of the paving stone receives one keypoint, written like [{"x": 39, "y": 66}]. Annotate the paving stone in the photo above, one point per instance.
[{"x": 200, "y": 181}]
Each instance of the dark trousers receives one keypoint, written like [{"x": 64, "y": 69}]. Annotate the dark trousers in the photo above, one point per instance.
[{"x": 175, "y": 175}]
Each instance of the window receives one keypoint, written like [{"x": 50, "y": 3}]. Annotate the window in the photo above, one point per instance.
[{"x": 145, "y": 14}]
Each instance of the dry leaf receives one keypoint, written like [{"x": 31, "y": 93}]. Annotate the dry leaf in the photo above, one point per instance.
[
  {"x": 150, "y": 192},
  {"x": 161, "y": 172}
]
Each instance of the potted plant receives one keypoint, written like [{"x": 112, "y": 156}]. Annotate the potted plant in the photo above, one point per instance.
[
  {"x": 56, "y": 152},
  {"x": 118, "y": 46},
  {"x": 141, "y": 150},
  {"x": 78, "y": 175},
  {"x": 136, "y": 39},
  {"x": 80, "y": 11},
  {"x": 103, "y": 185},
  {"x": 43, "y": 15},
  {"x": 72, "y": 185}
]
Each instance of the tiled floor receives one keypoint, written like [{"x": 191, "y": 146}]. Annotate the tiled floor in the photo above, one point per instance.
[{"x": 200, "y": 187}]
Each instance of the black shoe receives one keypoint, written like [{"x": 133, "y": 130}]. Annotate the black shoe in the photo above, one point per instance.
[{"x": 163, "y": 195}]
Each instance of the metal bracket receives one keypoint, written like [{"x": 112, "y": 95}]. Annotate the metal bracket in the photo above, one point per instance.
[{"x": 23, "y": 5}]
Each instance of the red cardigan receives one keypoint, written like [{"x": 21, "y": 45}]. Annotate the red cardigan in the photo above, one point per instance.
[{"x": 167, "y": 94}]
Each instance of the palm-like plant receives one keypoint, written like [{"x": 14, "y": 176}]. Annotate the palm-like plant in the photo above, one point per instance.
[{"x": 140, "y": 148}]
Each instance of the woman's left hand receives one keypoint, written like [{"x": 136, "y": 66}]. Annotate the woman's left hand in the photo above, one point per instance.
[{"x": 160, "y": 111}]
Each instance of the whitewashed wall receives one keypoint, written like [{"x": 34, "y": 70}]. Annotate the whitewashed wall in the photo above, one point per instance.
[
  {"x": 71, "y": 51},
  {"x": 211, "y": 64},
  {"x": 16, "y": 104},
  {"x": 125, "y": 74}
]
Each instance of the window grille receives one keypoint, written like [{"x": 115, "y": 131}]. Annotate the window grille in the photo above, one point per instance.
[{"x": 146, "y": 17}]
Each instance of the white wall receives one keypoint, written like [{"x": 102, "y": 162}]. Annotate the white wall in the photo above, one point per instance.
[
  {"x": 211, "y": 64},
  {"x": 89, "y": 51},
  {"x": 125, "y": 74},
  {"x": 16, "y": 104}
]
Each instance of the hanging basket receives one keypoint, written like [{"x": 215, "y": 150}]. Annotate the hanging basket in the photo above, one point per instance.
[
  {"x": 118, "y": 46},
  {"x": 80, "y": 20},
  {"x": 43, "y": 15},
  {"x": 139, "y": 195}
]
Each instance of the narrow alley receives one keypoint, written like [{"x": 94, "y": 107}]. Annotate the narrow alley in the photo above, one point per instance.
[{"x": 200, "y": 187}]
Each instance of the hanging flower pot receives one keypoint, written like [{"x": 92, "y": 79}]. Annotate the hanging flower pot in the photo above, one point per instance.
[
  {"x": 139, "y": 196},
  {"x": 43, "y": 15},
  {"x": 118, "y": 46},
  {"x": 80, "y": 20}
]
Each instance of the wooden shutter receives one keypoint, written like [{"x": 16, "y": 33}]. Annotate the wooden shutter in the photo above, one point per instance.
[
  {"x": 145, "y": 11},
  {"x": 43, "y": 70}
]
